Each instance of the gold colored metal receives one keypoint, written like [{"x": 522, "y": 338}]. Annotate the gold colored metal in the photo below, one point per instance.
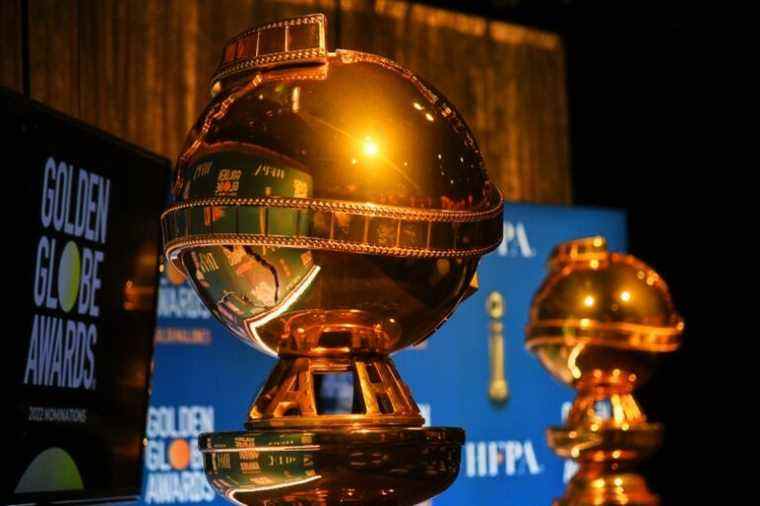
[
  {"x": 329, "y": 208},
  {"x": 599, "y": 323},
  {"x": 353, "y": 465},
  {"x": 498, "y": 390},
  {"x": 294, "y": 41},
  {"x": 290, "y": 390}
]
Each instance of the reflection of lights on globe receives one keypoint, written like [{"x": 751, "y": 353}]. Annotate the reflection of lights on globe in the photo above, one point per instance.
[
  {"x": 417, "y": 106},
  {"x": 588, "y": 301},
  {"x": 370, "y": 147},
  {"x": 294, "y": 295},
  {"x": 572, "y": 361},
  {"x": 429, "y": 116},
  {"x": 625, "y": 296}
]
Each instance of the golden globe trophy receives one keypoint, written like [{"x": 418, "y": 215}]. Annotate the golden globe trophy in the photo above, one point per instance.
[
  {"x": 330, "y": 208},
  {"x": 599, "y": 323}
]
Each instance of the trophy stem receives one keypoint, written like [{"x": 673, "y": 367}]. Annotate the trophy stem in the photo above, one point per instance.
[
  {"x": 607, "y": 434},
  {"x": 291, "y": 397}
]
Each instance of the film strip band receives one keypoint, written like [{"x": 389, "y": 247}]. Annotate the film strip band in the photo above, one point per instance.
[
  {"x": 331, "y": 225},
  {"x": 291, "y": 41}
]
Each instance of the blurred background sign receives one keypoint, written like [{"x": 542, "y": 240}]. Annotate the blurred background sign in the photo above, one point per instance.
[
  {"x": 84, "y": 212},
  {"x": 203, "y": 380}
]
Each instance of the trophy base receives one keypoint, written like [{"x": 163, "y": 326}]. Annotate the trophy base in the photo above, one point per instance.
[
  {"x": 605, "y": 457},
  {"x": 611, "y": 445},
  {"x": 609, "y": 489},
  {"x": 385, "y": 466}
]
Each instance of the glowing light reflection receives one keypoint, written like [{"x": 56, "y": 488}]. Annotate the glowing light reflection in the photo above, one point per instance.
[
  {"x": 573, "y": 358},
  {"x": 370, "y": 147},
  {"x": 286, "y": 303}
]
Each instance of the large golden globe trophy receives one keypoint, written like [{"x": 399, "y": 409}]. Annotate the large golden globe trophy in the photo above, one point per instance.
[
  {"x": 330, "y": 208},
  {"x": 599, "y": 323}
]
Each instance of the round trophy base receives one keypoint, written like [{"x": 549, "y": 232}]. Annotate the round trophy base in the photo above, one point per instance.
[
  {"x": 605, "y": 457},
  {"x": 610, "y": 489},
  {"x": 376, "y": 465},
  {"x": 606, "y": 444}
]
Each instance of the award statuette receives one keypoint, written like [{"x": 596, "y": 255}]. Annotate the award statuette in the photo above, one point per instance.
[
  {"x": 498, "y": 389},
  {"x": 599, "y": 323},
  {"x": 330, "y": 208}
]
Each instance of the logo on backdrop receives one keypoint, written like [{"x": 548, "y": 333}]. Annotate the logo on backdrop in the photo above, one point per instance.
[
  {"x": 173, "y": 462},
  {"x": 500, "y": 458},
  {"x": 67, "y": 277},
  {"x": 176, "y": 300},
  {"x": 515, "y": 242}
]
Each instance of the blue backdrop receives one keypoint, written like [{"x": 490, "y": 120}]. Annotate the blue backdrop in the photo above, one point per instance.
[{"x": 204, "y": 378}]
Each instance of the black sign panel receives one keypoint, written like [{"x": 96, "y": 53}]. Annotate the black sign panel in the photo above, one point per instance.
[{"x": 84, "y": 213}]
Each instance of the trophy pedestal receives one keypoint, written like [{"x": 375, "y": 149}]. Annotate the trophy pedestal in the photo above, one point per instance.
[
  {"x": 606, "y": 458},
  {"x": 604, "y": 485},
  {"x": 384, "y": 466},
  {"x": 606, "y": 450},
  {"x": 298, "y": 449},
  {"x": 291, "y": 396}
]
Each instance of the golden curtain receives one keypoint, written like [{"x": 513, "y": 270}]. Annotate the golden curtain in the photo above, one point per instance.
[{"x": 140, "y": 70}]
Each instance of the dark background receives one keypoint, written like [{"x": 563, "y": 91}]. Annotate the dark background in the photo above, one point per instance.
[{"x": 635, "y": 75}]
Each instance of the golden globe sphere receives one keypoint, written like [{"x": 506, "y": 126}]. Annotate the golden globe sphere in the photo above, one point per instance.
[
  {"x": 600, "y": 311},
  {"x": 351, "y": 185}
]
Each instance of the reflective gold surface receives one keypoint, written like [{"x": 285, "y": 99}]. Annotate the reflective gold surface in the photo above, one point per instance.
[
  {"x": 351, "y": 155},
  {"x": 330, "y": 208},
  {"x": 381, "y": 397},
  {"x": 599, "y": 323},
  {"x": 380, "y": 466}
]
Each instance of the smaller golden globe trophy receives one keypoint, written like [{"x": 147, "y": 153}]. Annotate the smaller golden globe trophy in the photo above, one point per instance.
[{"x": 599, "y": 323}]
